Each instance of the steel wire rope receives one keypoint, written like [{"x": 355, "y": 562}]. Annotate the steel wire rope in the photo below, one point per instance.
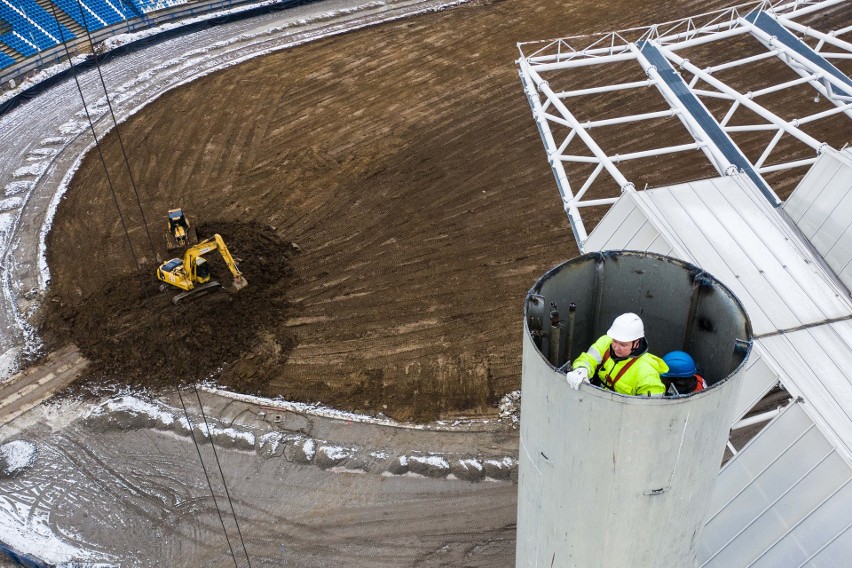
[
  {"x": 117, "y": 128},
  {"x": 221, "y": 473},
  {"x": 94, "y": 134},
  {"x": 130, "y": 244},
  {"x": 207, "y": 476}
]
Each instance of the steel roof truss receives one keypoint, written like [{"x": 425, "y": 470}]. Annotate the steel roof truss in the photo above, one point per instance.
[{"x": 555, "y": 56}]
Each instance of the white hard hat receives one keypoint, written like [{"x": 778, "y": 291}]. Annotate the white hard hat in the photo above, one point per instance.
[{"x": 627, "y": 327}]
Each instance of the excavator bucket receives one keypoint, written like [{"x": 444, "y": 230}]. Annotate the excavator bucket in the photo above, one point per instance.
[{"x": 239, "y": 283}]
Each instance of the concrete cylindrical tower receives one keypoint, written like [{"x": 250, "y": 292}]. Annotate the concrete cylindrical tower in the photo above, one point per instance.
[{"x": 608, "y": 480}]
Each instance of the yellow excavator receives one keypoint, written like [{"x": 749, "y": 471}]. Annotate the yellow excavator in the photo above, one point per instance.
[
  {"x": 179, "y": 231},
  {"x": 192, "y": 274}
]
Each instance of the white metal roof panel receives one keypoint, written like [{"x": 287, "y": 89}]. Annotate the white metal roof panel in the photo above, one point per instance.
[
  {"x": 725, "y": 226},
  {"x": 627, "y": 227},
  {"x": 782, "y": 501},
  {"x": 821, "y": 206},
  {"x": 759, "y": 379},
  {"x": 817, "y": 364}
]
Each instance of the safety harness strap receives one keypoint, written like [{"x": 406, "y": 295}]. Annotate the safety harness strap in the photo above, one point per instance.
[{"x": 608, "y": 379}]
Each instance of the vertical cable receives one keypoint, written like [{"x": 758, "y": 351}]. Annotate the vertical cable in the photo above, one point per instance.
[
  {"x": 97, "y": 142},
  {"x": 216, "y": 455},
  {"x": 117, "y": 128},
  {"x": 203, "y": 467}
]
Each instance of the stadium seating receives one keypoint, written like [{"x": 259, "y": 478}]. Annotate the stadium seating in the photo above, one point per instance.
[
  {"x": 110, "y": 11},
  {"x": 146, "y": 6},
  {"x": 100, "y": 13},
  {"x": 33, "y": 29},
  {"x": 14, "y": 41},
  {"x": 5, "y": 60}
]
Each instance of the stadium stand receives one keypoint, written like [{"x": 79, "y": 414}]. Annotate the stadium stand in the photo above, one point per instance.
[
  {"x": 15, "y": 41},
  {"x": 112, "y": 11},
  {"x": 96, "y": 14},
  {"x": 146, "y": 6},
  {"x": 5, "y": 60},
  {"x": 33, "y": 29}
]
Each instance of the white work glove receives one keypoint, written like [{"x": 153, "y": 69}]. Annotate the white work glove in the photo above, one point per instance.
[{"x": 576, "y": 377}]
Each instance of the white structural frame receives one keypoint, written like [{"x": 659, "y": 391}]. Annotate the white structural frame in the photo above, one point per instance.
[{"x": 541, "y": 60}]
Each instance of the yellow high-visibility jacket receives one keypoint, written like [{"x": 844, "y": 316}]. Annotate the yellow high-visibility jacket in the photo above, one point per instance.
[{"x": 635, "y": 375}]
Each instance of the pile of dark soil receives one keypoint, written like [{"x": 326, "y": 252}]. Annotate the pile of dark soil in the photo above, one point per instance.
[{"x": 133, "y": 333}]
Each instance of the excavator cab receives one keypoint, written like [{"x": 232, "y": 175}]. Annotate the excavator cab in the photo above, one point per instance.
[{"x": 179, "y": 232}]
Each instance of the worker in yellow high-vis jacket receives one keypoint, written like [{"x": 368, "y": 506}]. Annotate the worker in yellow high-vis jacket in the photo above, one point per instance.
[{"x": 621, "y": 360}]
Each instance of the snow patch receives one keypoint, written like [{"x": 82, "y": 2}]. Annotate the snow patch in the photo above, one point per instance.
[
  {"x": 19, "y": 186},
  {"x": 31, "y": 170},
  {"x": 72, "y": 127},
  {"x": 17, "y": 455},
  {"x": 505, "y": 463},
  {"x": 54, "y": 141},
  {"x": 436, "y": 461},
  {"x": 7, "y": 224},
  {"x": 42, "y": 152},
  {"x": 11, "y": 203},
  {"x": 9, "y": 362},
  {"x": 234, "y": 434},
  {"x": 43, "y": 270},
  {"x": 272, "y": 440},
  {"x": 309, "y": 447},
  {"x": 471, "y": 464},
  {"x": 335, "y": 452},
  {"x": 136, "y": 405}
]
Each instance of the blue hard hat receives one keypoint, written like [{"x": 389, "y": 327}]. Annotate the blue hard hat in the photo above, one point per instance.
[{"x": 680, "y": 364}]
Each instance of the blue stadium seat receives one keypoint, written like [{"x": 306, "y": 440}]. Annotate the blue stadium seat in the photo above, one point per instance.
[
  {"x": 111, "y": 11},
  {"x": 30, "y": 21},
  {"x": 145, "y": 6},
  {"x": 19, "y": 45},
  {"x": 5, "y": 60},
  {"x": 71, "y": 8}
]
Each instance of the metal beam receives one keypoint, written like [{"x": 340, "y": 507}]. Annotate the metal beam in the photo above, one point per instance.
[
  {"x": 800, "y": 57},
  {"x": 720, "y": 148}
]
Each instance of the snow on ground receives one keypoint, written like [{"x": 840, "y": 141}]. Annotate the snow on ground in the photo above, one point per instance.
[
  {"x": 135, "y": 405},
  {"x": 505, "y": 463},
  {"x": 471, "y": 464},
  {"x": 23, "y": 531},
  {"x": 42, "y": 75},
  {"x": 43, "y": 269},
  {"x": 18, "y": 186},
  {"x": 9, "y": 362},
  {"x": 17, "y": 455},
  {"x": 31, "y": 170},
  {"x": 436, "y": 461},
  {"x": 309, "y": 448},
  {"x": 25, "y": 525},
  {"x": 11, "y": 203},
  {"x": 336, "y": 452}
]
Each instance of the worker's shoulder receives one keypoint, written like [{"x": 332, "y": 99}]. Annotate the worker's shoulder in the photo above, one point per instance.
[
  {"x": 652, "y": 362},
  {"x": 603, "y": 339}
]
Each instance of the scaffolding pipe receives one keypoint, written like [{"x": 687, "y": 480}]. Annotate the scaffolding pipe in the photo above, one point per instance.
[
  {"x": 742, "y": 99},
  {"x": 605, "y": 89},
  {"x": 757, "y": 419}
]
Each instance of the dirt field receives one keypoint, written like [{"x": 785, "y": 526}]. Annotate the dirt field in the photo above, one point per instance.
[{"x": 403, "y": 162}]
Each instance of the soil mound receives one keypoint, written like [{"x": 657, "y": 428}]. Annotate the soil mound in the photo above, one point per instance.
[{"x": 131, "y": 331}]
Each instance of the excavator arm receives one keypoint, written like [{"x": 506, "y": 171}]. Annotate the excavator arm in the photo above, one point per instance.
[{"x": 188, "y": 274}]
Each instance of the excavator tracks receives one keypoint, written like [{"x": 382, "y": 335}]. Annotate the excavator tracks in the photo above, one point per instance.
[{"x": 196, "y": 292}]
